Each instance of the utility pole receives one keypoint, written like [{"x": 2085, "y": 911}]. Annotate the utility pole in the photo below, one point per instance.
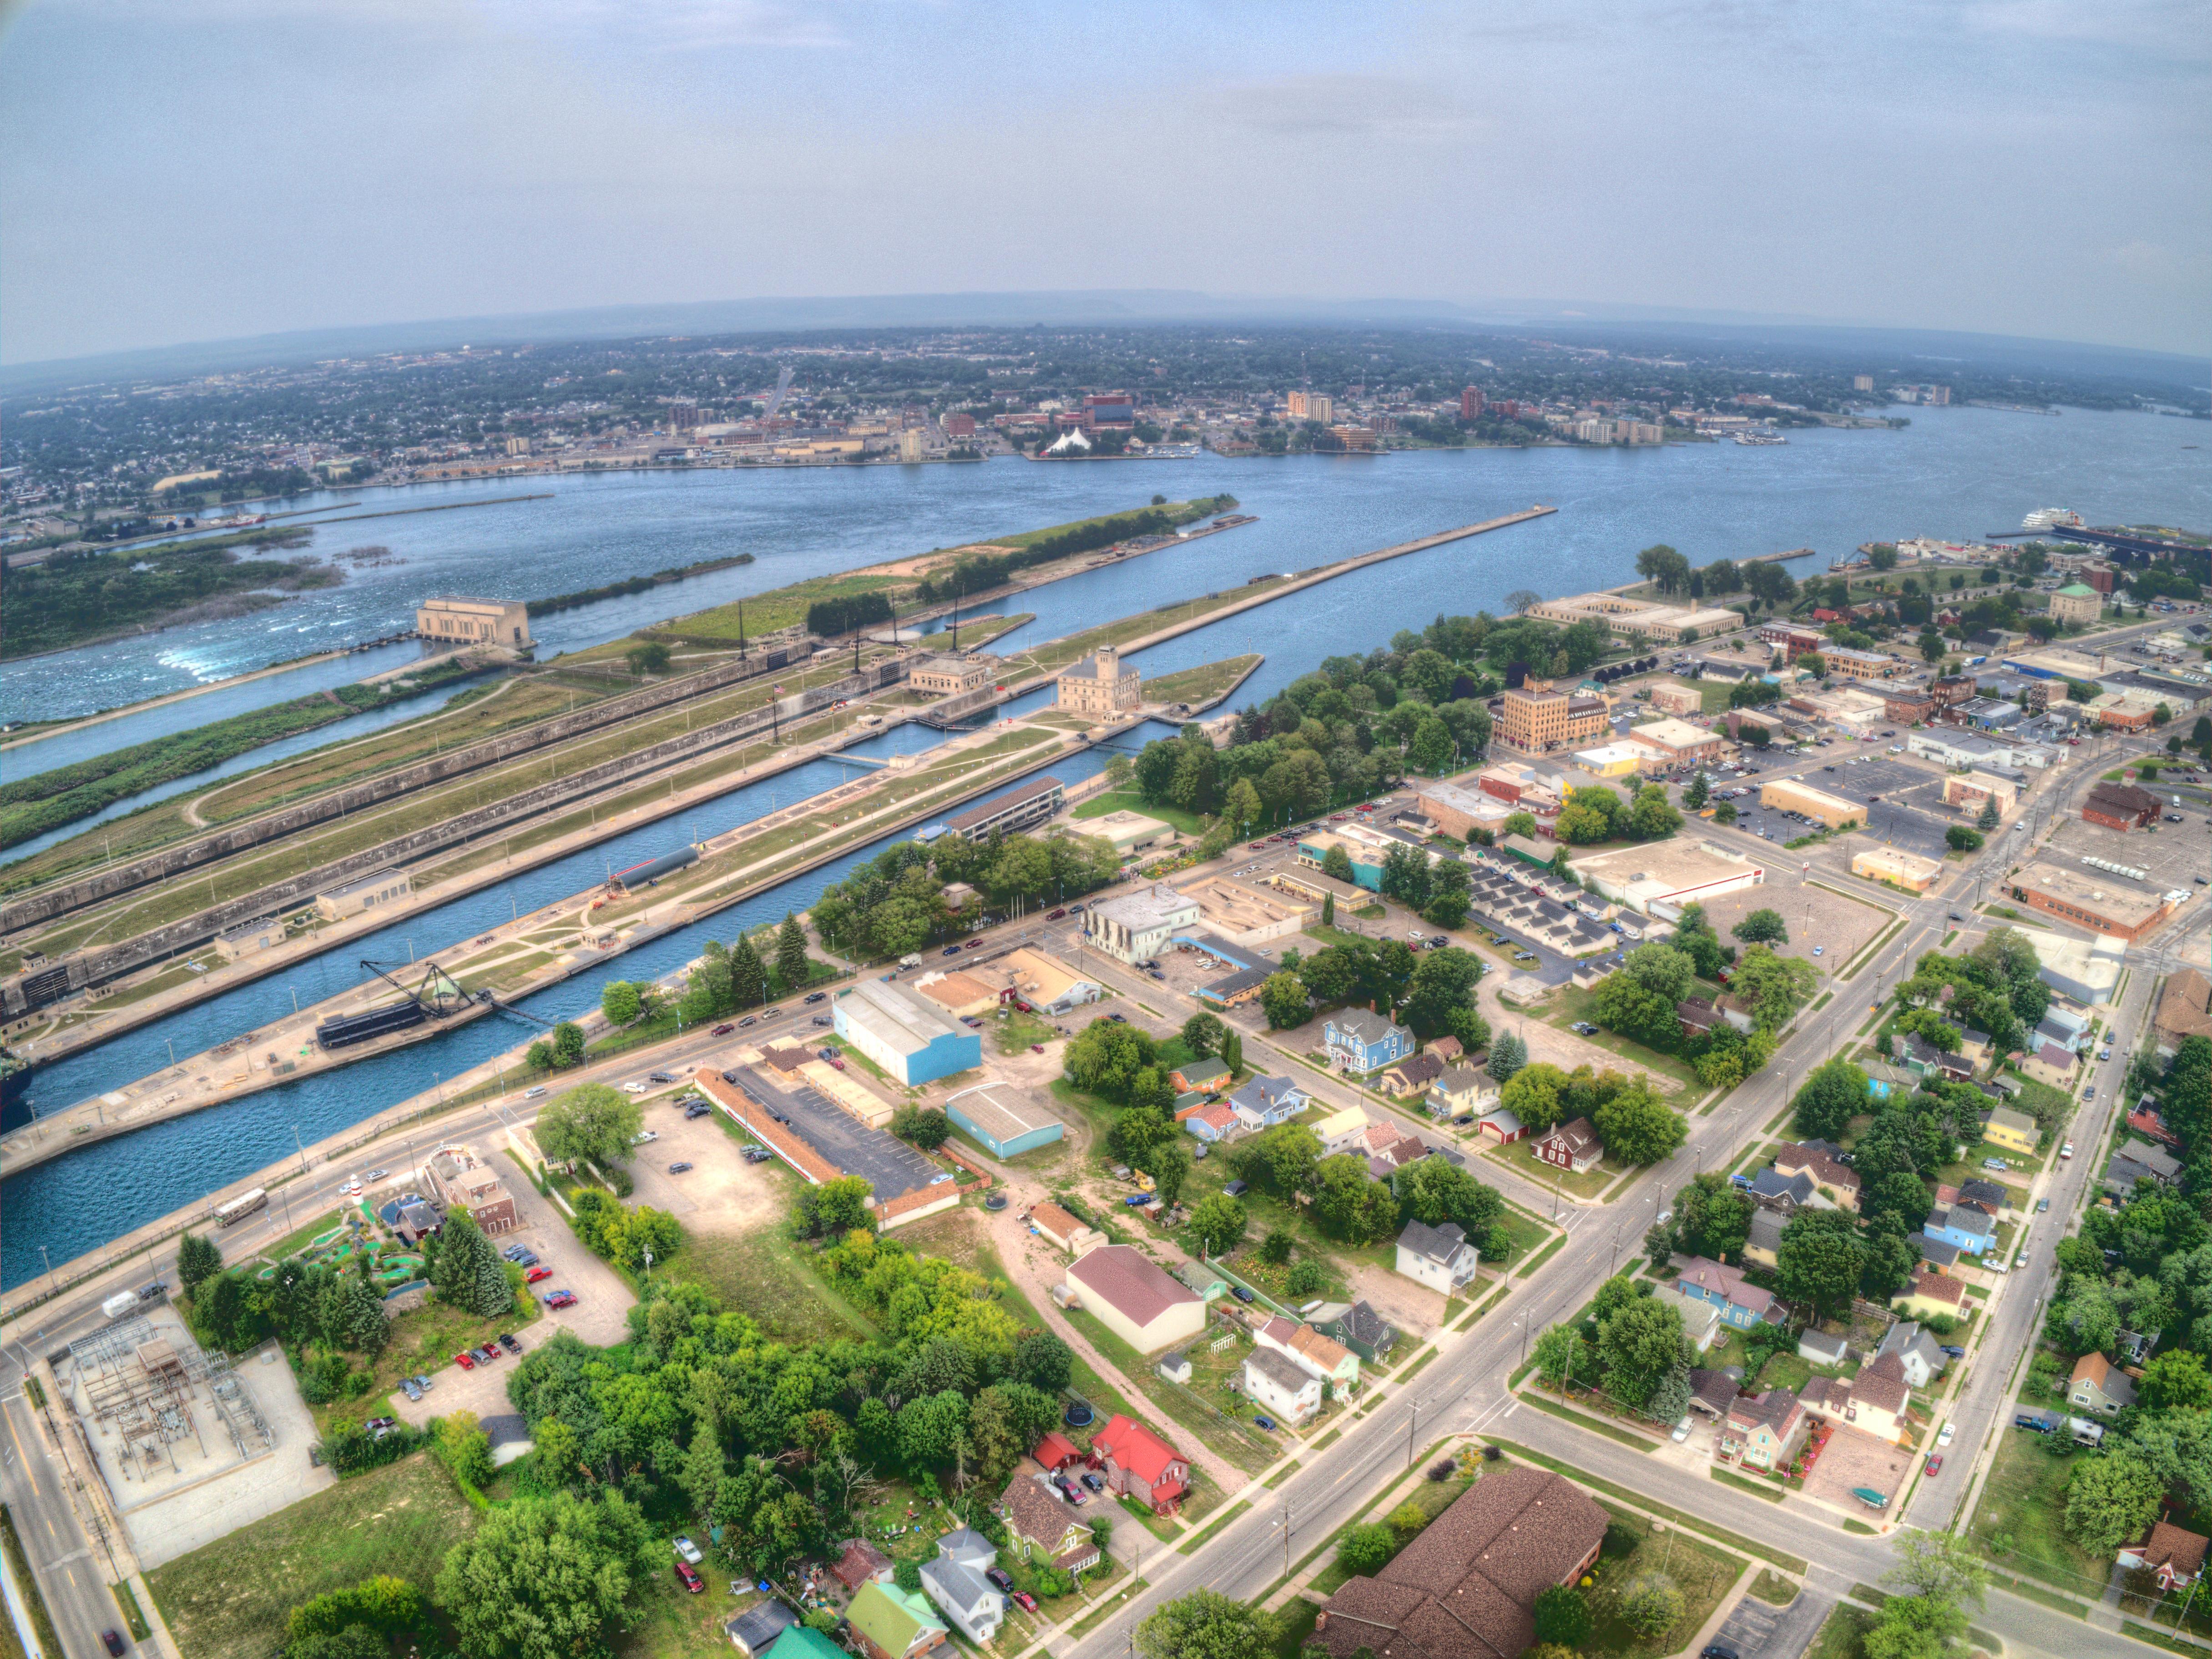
[{"x": 1411, "y": 1424}]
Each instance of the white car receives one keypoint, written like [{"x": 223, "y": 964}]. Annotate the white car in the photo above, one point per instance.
[
  {"x": 689, "y": 1551},
  {"x": 644, "y": 1135},
  {"x": 2066, "y": 1150},
  {"x": 1944, "y": 1438},
  {"x": 1682, "y": 1429},
  {"x": 633, "y": 1088}
]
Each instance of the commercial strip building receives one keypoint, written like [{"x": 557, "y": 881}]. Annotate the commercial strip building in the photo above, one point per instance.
[
  {"x": 1458, "y": 811},
  {"x": 902, "y": 1034},
  {"x": 1847, "y": 664},
  {"x": 1898, "y": 867},
  {"x": 2096, "y": 899},
  {"x": 1245, "y": 915},
  {"x": 1137, "y": 926},
  {"x": 1032, "y": 803},
  {"x": 1969, "y": 790},
  {"x": 1640, "y": 619},
  {"x": 1666, "y": 873},
  {"x": 1680, "y": 741},
  {"x": 1790, "y": 795}
]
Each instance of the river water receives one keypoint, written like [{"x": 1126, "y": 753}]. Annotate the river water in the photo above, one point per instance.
[{"x": 1954, "y": 473}]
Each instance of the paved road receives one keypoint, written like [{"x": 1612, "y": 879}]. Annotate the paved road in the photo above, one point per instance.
[{"x": 72, "y": 1571}]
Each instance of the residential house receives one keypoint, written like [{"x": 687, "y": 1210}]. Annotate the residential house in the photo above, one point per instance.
[
  {"x": 1762, "y": 1247},
  {"x": 953, "y": 1578},
  {"x": 1983, "y": 1194},
  {"x": 1055, "y": 1452},
  {"x": 1937, "y": 1252},
  {"x": 1771, "y": 1190},
  {"x": 1762, "y": 1430},
  {"x": 1061, "y": 1230},
  {"x": 759, "y": 1627},
  {"x": 1311, "y": 1351},
  {"x": 1922, "y": 1059},
  {"x": 1837, "y": 1182},
  {"x": 1040, "y": 1525},
  {"x": 1411, "y": 1076},
  {"x": 2016, "y": 1131},
  {"x": 2174, "y": 1554},
  {"x": 1701, "y": 1319},
  {"x": 2050, "y": 1064},
  {"x": 1137, "y": 1463},
  {"x": 1962, "y": 1226},
  {"x": 1200, "y": 1076},
  {"x": 1511, "y": 1536},
  {"x": 1932, "y": 1294},
  {"x": 800, "y": 1643},
  {"x": 1916, "y": 1350},
  {"x": 1742, "y": 1303},
  {"x": 1276, "y": 1386},
  {"x": 1701, "y": 1017},
  {"x": 1439, "y": 1257},
  {"x": 1390, "y": 1148},
  {"x": 1711, "y": 1393},
  {"x": 859, "y": 1562},
  {"x": 1264, "y": 1102},
  {"x": 2184, "y": 1009},
  {"x": 1461, "y": 1088},
  {"x": 2145, "y": 1119},
  {"x": 890, "y": 1622},
  {"x": 1339, "y": 1130},
  {"x": 1874, "y": 1402},
  {"x": 2164, "y": 1166},
  {"x": 1122, "y": 1288},
  {"x": 1361, "y": 1330},
  {"x": 2122, "y": 1175},
  {"x": 1362, "y": 1040},
  {"x": 1216, "y": 1122},
  {"x": 1573, "y": 1147},
  {"x": 2099, "y": 1386}
]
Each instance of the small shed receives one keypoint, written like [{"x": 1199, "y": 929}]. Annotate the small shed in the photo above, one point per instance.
[
  {"x": 1176, "y": 1366},
  {"x": 1817, "y": 1348}
]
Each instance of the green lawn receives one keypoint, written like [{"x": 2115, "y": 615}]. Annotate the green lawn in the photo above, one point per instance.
[
  {"x": 1572, "y": 1003},
  {"x": 232, "y": 1596},
  {"x": 1520, "y": 1157},
  {"x": 1128, "y": 800},
  {"x": 1841, "y": 1636},
  {"x": 2021, "y": 1518},
  {"x": 1198, "y": 685},
  {"x": 1702, "y": 1573}
]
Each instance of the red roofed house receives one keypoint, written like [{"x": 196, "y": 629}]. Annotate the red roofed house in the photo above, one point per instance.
[
  {"x": 1056, "y": 1451},
  {"x": 2174, "y": 1554},
  {"x": 861, "y": 1563},
  {"x": 1138, "y": 1464}
]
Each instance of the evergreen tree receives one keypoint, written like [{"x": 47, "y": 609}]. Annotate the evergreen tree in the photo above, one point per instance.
[
  {"x": 362, "y": 1320},
  {"x": 1988, "y": 819},
  {"x": 1508, "y": 1055},
  {"x": 1698, "y": 793},
  {"x": 1328, "y": 909},
  {"x": 791, "y": 955},
  {"x": 748, "y": 976},
  {"x": 198, "y": 1261},
  {"x": 1232, "y": 1051}
]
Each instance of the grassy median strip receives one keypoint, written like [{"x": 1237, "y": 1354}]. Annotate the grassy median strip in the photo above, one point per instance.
[
  {"x": 1595, "y": 1425},
  {"x": 42, "y": 1622},
  {"x": 1540, "y": 1257},
  {"x": 1756, "y": 1488},
  {"x": 127, "y": 1599},
  {"x": 1205, "y": 1533},
  {"x": 1781, "y": 1559}
]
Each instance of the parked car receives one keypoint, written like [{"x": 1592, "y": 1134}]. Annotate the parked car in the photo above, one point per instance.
[
  {"x": 421, "y": 1381},
  {"x": 1934, "y": 1464},
  {"x": 513, "y": 1250},
  {"x": 633, "y": 1088},
  {"x": 1025, "y": 1602},
  {"x": 1236, "y": 1188},
  {"x": 691, "y": 1581},
  {"x": 1681, "y": 1431},
  {"x": 508, "y": 1341},
  {"x": 407, "y": 1387},
  {"x": 679, "y": 1166},
  {"x": 487, "y": 1352},
  {"x": 697, "y": 1108},
  {"x": 2066, "y": 1150},
  {"x": 1240, "y": 1292},
  {"x": 537, "y": 1273},
  {"x": 724, "y": 1028},
  {"x": 559, "y": 1299},
  {"x": 1954, "y": 1351},
  {"x": 2041, "y": 1205},
  {"x": 644, "y": 1135},
  {"x": 1943, "y": 1439},
  {"x": 1267, "y": 1423},
  {"x": 999, "y": 1576},
  {"x": 537, "y": 1093},
  {"x": 1995, "y": 1164},
  {"x": 1094, "y": 1480},
  {"x": 688, "y": 1551},
  {"x": 465, "y": 1359}
]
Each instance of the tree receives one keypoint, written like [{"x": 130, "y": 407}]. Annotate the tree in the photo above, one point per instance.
[
  {"x": 1651, "y": 1605},
  {"x": 1043, "y": 1362},
  {"x": 1232, "y": 1052},
  {"x": 1336, "y": 863},
  {"x": 1451, "y": 891},
  {"x": 791, "y": 955},
  {"x": 1556, "y": 1352},
  {"x": 1697, "y": 792},
  {"x": 1217, "y": 1222},
  {"x": 1637, "y": 1346},
  {"x": 1651, "y": 817},
  {"x": 545, "y": 1578},
  {"x": 748, "y": 975},
  {"x": 1961, "y": 839},
  {"x": 1508, "y": 1055},
  {"x": 567, "y": 1045},
  {"x": 620, "y": 1002},
  {"x": 1282, "y": 1000},
  {"x": 2176, "y": 1379},
  {"x": 1762, "y": 927},
  {"x": 1365, "y": 1550},
  {"x": 921, "y": 1126},
  {"x": 1828, "y": 1099},
  {"x": 1820, "y": 1259},
  {"x": 1348, "y": 1204},
  {"x": 1328, "y": 909},
  {"x": 1206, "y": 1624},
  {"x": 1776, "y": 987},
  {"x": 465, "y": 1448},
  {"x": 592, "y": 1121},
  {"x": 1662, "y": 971},
  {"x": 1712, "y": 1217},
  {"x": 835, "y": 1207},
  {"x": 469, "y": 1272},
  {"x": 1562, "y": 1615},
  {"x": 651, "y": 658},
  {"x": 1442, "y": 981},
  {"x": 362, "y": 1323},
  {"x": 1939, "y": 1566},
  {"x": 1638, "y": 1128},
  {"x": 1987, "y": 819},
  {"x": 2108, "y": 1500},
  {"x": 198, "y": 1261}
]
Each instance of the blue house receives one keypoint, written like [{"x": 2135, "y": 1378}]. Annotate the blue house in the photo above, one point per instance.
[
  {"x": 1264, "y": 1102},
  {"x": 1963, "y": 1227},
  {"x": 1742, "y": 1304},
  {"x": 1360, "y": 1040}
]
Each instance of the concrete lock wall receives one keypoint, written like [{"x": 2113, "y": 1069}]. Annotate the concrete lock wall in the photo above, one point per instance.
[
  {"x": 92, "y": 968},
  {"x": 59, "y": 900}
]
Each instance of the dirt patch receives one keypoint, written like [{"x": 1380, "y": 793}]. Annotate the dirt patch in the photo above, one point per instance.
[
  {"x": 1840, "y": 927},
  {"x": 720, "y": 1193}
]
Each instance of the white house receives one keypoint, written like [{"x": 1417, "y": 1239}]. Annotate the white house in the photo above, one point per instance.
[
  {"x": 1276, "y": 1386},
  {"x": 1339, "y": 1130},
  {"x": 1438, "y": 1257},
  {"x": 954, "y": 1580}
]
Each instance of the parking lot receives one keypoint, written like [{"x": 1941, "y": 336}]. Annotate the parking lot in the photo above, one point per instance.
[
  {"x": 1818, "y": 919},
  {"x": 1854, "y": 1458},
  {"x": 1757, "y": 1630},
  {"x": 1910, "y": 813}
]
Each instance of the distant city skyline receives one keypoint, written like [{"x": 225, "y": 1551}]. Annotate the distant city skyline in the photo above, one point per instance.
[{"x": 226, "y": 168}]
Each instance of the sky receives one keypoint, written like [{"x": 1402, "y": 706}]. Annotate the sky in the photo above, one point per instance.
[{"x": 186, "y": 170}]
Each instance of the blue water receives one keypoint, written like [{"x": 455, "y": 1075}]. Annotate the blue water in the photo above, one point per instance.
[{"x": 1954, "y": 473}]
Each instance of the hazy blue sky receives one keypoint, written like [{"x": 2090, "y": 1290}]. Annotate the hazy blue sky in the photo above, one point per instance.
[{"x": 193, "y": 169}]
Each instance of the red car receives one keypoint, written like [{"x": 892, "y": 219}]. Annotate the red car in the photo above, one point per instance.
[
  {"x": 1935, "y": 1465},
  {"x": 559, "y": 1299},
  {"x": 537, "y": 1273},
  {"x": 465, "y": 1360},
  {"x": 724, "y": 1030},
  {"x": 1025, "y": 1601},
  {"x": 690, "y": 1580}
]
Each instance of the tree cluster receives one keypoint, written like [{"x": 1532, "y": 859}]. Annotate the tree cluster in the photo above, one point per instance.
[{"x": 893, "y": 904}]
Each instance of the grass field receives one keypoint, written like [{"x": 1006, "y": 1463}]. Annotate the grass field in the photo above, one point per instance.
[
  {"x": 1520, "y": 1157},
  {"x": 2021, "y": 1520},
  {"x": 1702, "y": 1573},
  {"x": 1842, "y": 1636},
  {"x": 230, "y": 1597},
  {"x": 1128, "y": 800},
  {"x": 1198, "y": 684}
]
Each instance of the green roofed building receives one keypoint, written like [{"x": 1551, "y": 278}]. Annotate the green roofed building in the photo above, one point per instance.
[
  {"x": 892, "y": 1623},
  {"x": 801, "y": 1643},
  {"x": 2076, "y": 604}
]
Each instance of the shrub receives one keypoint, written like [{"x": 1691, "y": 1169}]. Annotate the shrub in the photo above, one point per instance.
[
  {"x": 1652, "y": 1606},
  {"x": 1563, "y": 1616},
  {"x": 1366, "y": 1549}
]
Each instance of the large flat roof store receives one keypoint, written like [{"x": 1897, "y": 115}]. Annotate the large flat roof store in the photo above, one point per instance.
[
  {"x": 1677, "y": 871},
  {"x": 1677, "y": 736},
  {"x": 1032, "y": 803},
  {"x": 1004, "y": 1119},
  {"x": 1898, "y": 867},
  {"x": 912, "y": 1041},
  {"x": 2094, "y": 899},
  {"x": 1832, "y": 811}
]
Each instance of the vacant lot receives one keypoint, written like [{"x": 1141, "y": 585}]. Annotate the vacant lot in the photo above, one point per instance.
[
  {"x": 2020, "y": 1519},
  {"x": 232, "y": 1596},
  {"x": 1851, "y": 1459}
]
